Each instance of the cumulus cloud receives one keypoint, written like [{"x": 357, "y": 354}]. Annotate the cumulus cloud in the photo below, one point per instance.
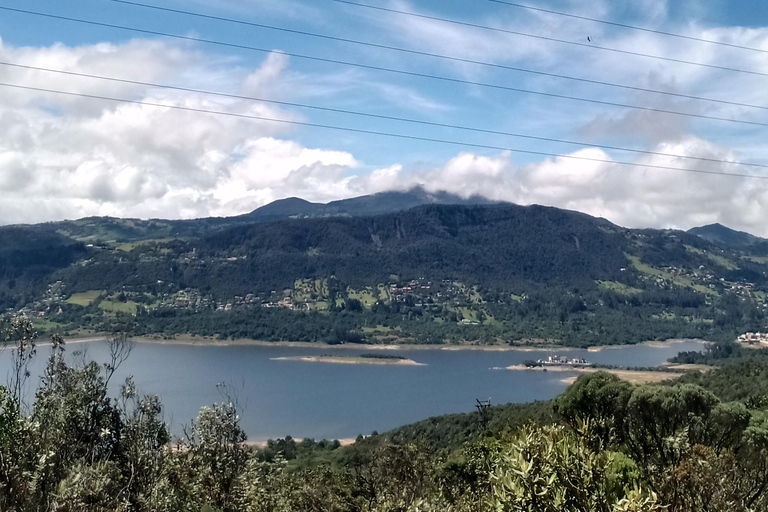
[
  {"x": 629, "y": 196},
  {"x": 68, "y": 157}
]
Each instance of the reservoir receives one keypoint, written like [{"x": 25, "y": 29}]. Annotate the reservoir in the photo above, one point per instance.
[{"x": 336, "y": 401}]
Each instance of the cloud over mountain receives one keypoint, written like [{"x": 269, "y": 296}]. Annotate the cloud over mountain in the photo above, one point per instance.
[{"x": 67, "y": 156}]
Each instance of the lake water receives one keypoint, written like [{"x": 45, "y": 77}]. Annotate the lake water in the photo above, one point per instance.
[{"x": 322, "y": 400}]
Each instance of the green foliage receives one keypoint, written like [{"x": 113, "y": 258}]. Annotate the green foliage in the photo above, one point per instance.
[
  {"x": 603, "y": 446},
  {"x": 550, "y": 469},
  {"x": 600, "y": 398},
  {"x": 526, "y": 275},
  {"x": 739, "y": 380},
  {"x": 450, "y": 432}
]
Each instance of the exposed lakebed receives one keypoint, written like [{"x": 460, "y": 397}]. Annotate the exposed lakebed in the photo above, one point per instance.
[{"x": 283, "y": 394}]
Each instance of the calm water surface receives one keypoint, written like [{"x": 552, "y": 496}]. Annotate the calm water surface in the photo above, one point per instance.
[{"x": 323, "y": 400}]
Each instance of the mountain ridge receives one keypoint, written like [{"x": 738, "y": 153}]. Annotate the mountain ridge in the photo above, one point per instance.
[
  {"x": 485, "y": 273},
  {"x": 723, "y": 235},
  {"x": 115, "y": 231}
]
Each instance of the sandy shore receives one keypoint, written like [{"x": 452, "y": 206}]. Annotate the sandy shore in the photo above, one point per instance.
[
  {"x": 350, "y": 360},
  {"x": 688, "y": 367},
  {"x": 210, "y": 341},
  {"x": 631, "y": 376},
  {"x": 650, "y": 344}
]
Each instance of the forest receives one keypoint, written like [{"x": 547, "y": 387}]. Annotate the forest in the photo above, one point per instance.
[
  {"x": 72, "y": 442},
  {"x": 431, "y": 274}
]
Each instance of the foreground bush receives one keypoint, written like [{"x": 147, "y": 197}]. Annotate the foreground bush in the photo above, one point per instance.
[{"x": 616, "y": 448}]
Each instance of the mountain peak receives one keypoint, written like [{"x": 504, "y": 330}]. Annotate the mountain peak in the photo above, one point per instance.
[
  {"x": 382, "y": 202},
  {"x": 725, "y": 236},
  {"x": 287, "y": 207}
]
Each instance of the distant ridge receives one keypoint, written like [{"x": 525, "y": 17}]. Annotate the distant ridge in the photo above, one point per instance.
[
  {"x": 725, "y": 236},
  {"x": 383, "y": 202},
  {"x": 115, "y": 231}
]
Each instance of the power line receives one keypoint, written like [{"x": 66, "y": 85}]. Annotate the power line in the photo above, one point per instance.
[
  {"x": 380, "y": 133},
  {"x": 388, "y": 70},
  {"x": 550, "y": 39},
  {"x": 376, "y": 116},
  {"x": 633, "y": 27},
  {"x": 436, "y": 55}
]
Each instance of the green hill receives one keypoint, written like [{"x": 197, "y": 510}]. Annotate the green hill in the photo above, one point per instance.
[{"x": 431, "y": 274}]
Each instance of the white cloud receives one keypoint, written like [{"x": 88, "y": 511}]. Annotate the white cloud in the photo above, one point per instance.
[
  {"x": 73, "y": 157},
  {"x": 629, "y": 196},
  {"x": 68, "y": 157}
]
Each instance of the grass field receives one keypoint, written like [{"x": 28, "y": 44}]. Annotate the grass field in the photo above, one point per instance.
[
  {"x": 474, "y": 296},
  {"x": 678, "y": 280},
  {"x": 85, "y": 298},
  {"x": 115, "y": 306},
  {"x": 716, "y": 258},
  {"x": 310, "y": 290},
  {"x": 46, "y": 324},
  {"x": 132, "y": 245},
  {"x": 758, "y": 259},
  {"x": 620, "y": 288},
  {"x": 367, "y": 296},
  {"x": 320, "y": 305}
]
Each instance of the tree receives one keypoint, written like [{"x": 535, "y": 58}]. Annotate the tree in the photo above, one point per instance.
[
  {"x": 599, "y": 399},
  {"x": 549, "y": 469},
  {"x": 20, "y": 333}
]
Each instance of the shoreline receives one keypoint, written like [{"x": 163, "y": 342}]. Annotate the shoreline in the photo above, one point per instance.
[
  {"x": 349, "y": 360},
  {"x": 193, "y": 340},
  {"x": 631, "y": 376}
]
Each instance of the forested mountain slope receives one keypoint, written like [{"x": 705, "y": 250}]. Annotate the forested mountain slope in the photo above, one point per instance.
[
  {"x": 725, "y": 236},
  {"x": 28, "y": 258},
  {"x": 434, "y": 273},
  {"x": 492, "y": 246},
  {"x": 116, "y": 231}
]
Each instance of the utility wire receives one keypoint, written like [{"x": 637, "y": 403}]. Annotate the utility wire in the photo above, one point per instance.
[
  {"x": 379, "y": 133},
  {"x": 375, "y": 116},
  {"x": 633, "y": 27},
  {"x": 388, "y": 70},
  {"x": 551, "y": 39},
  {"x": 436, "y": 55}
]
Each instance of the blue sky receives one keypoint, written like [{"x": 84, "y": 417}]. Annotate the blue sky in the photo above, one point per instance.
[{"x": 86, "y": 157}]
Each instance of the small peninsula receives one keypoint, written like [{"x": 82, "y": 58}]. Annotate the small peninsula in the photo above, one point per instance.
[{"x": 371, "y": 359}]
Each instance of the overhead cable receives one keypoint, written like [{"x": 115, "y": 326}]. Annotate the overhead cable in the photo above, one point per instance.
[
  {"x": 385, "y": 69},
  {"x": 437, "y": 55},
  {"x": 382, "y": 134},
  {"x": 626, "y": 25},
  {"x": 372, "y": 115},
  {"x": 550, "y": 39}
]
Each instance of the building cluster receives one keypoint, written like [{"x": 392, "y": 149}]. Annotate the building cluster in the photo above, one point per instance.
[
  {"x": 560, "y": 361},
  {"x": 416, "y": 287},
  {"x": 754, "y": 338},
  {"x": 308, "y": 295},
  {"x": 701, "y": 277},
  {"x": 49, "y": 304}
]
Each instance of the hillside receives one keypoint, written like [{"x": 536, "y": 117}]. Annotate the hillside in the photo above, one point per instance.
[
  {"x": 725, "y": 236},
  {"x": 700, "y": 443},
  {"x": 114, "y": 231},
  {"x": 490, "y": 246},
  {"x": 375, "y": 204},
  {"x": 28, "y": 258},
  {"x": 431, "y": 274}
]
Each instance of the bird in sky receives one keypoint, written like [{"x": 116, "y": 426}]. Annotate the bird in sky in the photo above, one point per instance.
[{"x": 589, "y": 39}]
